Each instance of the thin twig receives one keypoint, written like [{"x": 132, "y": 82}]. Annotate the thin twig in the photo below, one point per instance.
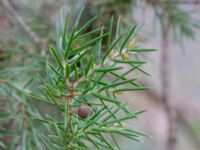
[
  {"x": 166, "y": 85},
  {"x": 40, "y": 42}
]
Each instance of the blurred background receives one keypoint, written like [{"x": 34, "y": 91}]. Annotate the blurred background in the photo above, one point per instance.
[{"x": 172, "y": 104}]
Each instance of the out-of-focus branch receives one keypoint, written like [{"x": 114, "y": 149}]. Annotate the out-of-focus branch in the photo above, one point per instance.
[
  {"x": 40, "y": 42},
  {"x": 166, "y": 85},
  {"x": 165, "y": 75}
]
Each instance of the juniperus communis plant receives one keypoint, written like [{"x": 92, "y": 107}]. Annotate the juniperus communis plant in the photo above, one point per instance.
[
  {"x": 83, "y": 84},
  {"x": 84, "y": 77}
]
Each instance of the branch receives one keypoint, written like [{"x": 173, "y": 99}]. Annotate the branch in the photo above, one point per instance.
[
  {"x": 40, "y": 42},
  {"x": 165, "y": 73}
]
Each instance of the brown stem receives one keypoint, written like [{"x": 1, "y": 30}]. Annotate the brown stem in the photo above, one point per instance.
[
  {"x": 69, "y": 111},
  {"x": 166, "y": 85}
]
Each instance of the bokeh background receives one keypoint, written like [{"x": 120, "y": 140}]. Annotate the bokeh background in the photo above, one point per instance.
[{"x": 28, "y": 26}]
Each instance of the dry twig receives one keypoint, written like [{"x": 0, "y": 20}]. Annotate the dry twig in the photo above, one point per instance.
[{"x": 40, "y": 42}]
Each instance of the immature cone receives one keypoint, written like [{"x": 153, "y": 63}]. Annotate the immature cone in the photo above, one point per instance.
[{"x": 84, "y": 111}]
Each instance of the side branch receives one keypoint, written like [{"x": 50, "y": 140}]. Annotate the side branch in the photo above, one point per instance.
[
  {"x": 166, "y": 85},
  {"x": 36, "y": 39}
]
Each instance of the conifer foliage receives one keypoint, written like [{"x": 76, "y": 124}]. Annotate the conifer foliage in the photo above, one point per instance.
[
  {"x": 78, "y": 86},
  {"x": 83, "y": 80}
]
